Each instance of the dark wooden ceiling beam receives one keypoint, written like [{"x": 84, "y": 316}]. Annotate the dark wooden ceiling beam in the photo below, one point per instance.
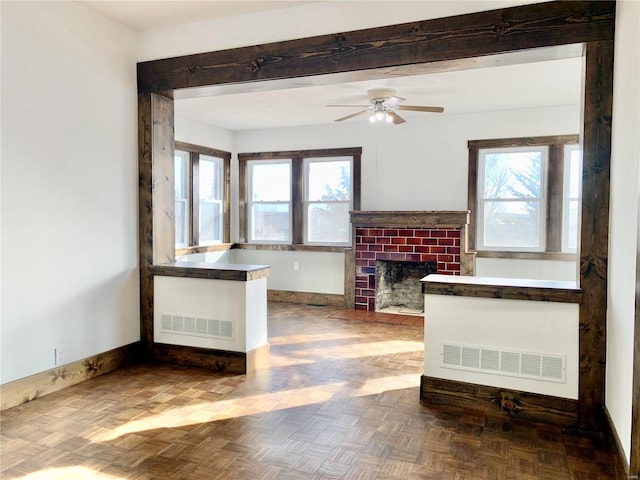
[{"x": 443, "y": 39}]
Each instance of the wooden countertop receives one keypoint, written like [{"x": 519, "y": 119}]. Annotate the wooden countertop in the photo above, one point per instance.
[
  {"x": 509, "y": 288},
  {"x": 212, "y": 271}
]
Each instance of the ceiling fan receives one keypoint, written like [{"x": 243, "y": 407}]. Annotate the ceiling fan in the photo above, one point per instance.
[{"x": 383, "y": 104}]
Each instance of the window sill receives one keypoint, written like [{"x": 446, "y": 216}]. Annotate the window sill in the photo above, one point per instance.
[
  {"x": 218, "y": 247},
  {"x": 290, "y": 248},
  {"x": 526, "y": 255}
]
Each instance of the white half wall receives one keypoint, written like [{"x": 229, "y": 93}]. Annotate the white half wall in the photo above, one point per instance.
[
  {"x": 510, "y": 325},
  {"x": 244, "y": 304},
  {"x": 69, "y": 186},
  {"x": 625, "y": 157}
]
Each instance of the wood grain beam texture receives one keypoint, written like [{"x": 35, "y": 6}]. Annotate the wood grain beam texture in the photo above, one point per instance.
[
  {"x": 594, "y": 236},
  {"x": 155, "y": 199},
  {"x": 442, "y": 39}
]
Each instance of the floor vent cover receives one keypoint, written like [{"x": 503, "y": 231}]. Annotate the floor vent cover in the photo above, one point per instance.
[
  {"x": 541, "y": 366},
  {"x": 196, "y": 326}
]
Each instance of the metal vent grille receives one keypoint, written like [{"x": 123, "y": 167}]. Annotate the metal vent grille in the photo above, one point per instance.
[
  {"x": 196, "y": 326},
  {"x": 540, "y": 366}
]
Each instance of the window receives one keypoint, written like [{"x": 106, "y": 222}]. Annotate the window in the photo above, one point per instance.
[
  {"x": 299, "y": 197},
  {"x": 327, "y": 200},
  {"x": 201, "y": 195},
  {"x": 524, "y": 194},
  {"x": 270, "y": 201}
]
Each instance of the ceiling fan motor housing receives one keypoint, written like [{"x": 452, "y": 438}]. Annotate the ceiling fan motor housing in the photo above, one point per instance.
[{"x": 381, "y": 94}]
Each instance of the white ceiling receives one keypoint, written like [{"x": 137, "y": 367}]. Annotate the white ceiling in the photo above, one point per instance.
[
  {"x": 141, "y": 15},
  {"x": 527, "y": 85},
  {"x": 304, "y": 101}
]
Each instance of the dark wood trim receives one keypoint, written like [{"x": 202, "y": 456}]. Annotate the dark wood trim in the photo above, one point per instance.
[
  {"x": 350, "y": 274},
  {"x": 43, "y": 383},
  {"x": 442, "y": 39},
  {"x": 317, "y": 153},
  {"x": 440, "y": 218},
  {"x": 212, "y": 152},
  {"x": 594, "y": 237},
  {"x": 462, "y": 41},
  {"x": 194, "y": 194},
  {"x": 467, "y": 257},
  {"x": 289, "y": 248},
  {"x": 308, "y": 298},
  {"x": 514, "y": 289},
  {"x": 297, "y": 201},
  {"x": 472, "y": 197},
  {"x": 212, "y": 271},
  {"x": 243, "y": 205},
  {"x": 555, "y": 198},
  {"x": 220, "y": 361},
  {"x": 499, "y": 401},
  {"x": 156, "y": 199},
  {"x": 523, "y": 141},
  {"x": 226, "y": 196}
]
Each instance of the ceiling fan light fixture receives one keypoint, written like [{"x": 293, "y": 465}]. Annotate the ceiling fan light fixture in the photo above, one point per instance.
[{"x": 388, "y": 118}]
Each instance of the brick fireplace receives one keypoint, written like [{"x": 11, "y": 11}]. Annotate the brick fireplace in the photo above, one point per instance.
[{"x": 427, "y": 237}]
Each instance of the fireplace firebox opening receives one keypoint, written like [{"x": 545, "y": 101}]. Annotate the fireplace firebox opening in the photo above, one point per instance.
[{"x": 398, "y": 287}]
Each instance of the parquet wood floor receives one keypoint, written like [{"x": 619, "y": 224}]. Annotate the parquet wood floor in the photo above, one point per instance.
[{"x": 340, "y": 401}]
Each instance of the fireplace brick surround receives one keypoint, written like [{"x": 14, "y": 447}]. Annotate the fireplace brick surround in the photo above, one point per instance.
[{"x": 405, "y": 236}]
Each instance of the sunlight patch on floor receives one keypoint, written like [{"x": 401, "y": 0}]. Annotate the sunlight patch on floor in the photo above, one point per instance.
[
  {"x": 305, "y": 338},
  {"x": 222, "y": 410},
  {"x": 69, "y": 473},
  {"x": 359, "y": 350}
]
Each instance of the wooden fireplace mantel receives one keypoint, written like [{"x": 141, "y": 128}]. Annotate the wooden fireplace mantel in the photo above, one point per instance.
[{"x": 411, "y": 218}]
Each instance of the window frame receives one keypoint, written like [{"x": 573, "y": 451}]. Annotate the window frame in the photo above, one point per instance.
[
  {"x": 194, "y": 152},
  {"x": 298, "y": 221},
  {"x": 554, "y": 194}
]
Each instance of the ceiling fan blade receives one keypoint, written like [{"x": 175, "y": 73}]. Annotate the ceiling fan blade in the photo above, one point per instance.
[
  {"x": 360, "y": 106},
  {"x": 397, "y": 119},
  {"x": 417, "y": 108},
  {"x": 351, "y": 116}
]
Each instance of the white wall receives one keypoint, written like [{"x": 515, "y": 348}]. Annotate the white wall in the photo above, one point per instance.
[
  {"x": 561, "y": 270},
  {"x": 69, "y": 185},
  {"x": 198, "y": 133},
  {"x": 624, "y": 220},
  {"x": 419, "y": 165},
  {"x": 318, "y": 18}
]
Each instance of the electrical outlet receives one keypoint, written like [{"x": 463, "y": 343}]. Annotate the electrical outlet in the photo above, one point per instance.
[
  {"x": 296, "y": 265},
  {"x": 59, "y": 356}
]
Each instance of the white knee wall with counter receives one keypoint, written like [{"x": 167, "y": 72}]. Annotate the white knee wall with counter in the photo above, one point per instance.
[{"x": 535, "y": 328}]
